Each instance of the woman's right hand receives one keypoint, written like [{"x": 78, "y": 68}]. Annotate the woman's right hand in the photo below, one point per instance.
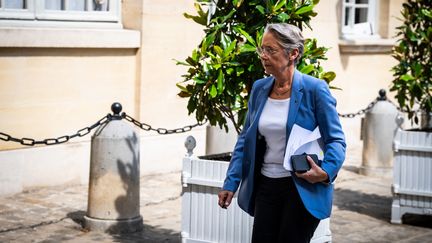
[{"x": 225, "y": 198}]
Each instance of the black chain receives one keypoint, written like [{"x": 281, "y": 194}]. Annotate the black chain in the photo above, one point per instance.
[
  {"x": 163, "y": 131},
  {"x": 403, "y": 109},
  {"x": 369, "y": 107},
  {"x": 59, "y": 140},
  {"x": 143, "y": 126},
  {"x": 87, "y": 130},
  {"x": 360, "y": 112}
]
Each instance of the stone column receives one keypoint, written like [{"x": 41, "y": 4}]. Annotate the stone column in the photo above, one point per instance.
[
  {"x": 113, "y": 197},
  {"x": 379, "y": 128}
]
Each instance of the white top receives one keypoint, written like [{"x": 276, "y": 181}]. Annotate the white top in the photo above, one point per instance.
[{"x": 272, "y": 125}]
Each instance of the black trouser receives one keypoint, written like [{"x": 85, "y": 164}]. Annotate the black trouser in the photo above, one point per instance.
[{"x": 280, "y": 215}]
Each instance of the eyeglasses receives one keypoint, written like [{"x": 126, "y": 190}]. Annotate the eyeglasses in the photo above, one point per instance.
[{"x": 265, "y": 50}]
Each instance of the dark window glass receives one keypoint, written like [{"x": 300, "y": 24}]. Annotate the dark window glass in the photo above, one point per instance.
[
  {"x": 347, "y": 15},
  {"x": 362, "y": 1},
  {"x": 361, "y": 15}
]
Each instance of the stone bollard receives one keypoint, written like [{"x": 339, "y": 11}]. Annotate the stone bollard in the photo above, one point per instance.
[
  {"x": 114, "y": 186},
  {"x": 379, "y": 128}
]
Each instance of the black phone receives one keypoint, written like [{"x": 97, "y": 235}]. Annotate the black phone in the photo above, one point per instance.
[{"x": 300, "y": 164}]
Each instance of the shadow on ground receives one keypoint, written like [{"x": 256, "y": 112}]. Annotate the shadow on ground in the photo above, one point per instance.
[
  {"x": 352, "y": 168},
  {"x": 375, "y": 206},
  {"x": 372, "y": 205},
  {"x": 149, "y": 234}
]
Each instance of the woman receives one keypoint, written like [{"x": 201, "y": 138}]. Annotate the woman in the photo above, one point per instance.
[{"x": 287, "y": 206}]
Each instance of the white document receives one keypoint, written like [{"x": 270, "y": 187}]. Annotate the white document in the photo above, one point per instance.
[{"x": 302, "y": 141}]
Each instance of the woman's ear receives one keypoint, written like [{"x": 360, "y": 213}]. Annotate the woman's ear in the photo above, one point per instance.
[{"x": 294, "y": 54}]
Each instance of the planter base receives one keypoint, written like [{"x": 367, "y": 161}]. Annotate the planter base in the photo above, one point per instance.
[
  {"x": 204, "y": 221},
  {"x": 412, "y": 187}
]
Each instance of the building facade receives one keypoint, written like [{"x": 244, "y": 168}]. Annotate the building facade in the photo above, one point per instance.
[{"x": 63, "y": 63}]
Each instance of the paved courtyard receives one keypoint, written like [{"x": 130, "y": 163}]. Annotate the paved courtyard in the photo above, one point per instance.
[{"x": 361, "y": 213}]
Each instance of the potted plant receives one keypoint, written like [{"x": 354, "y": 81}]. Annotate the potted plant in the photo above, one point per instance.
[
  {"x": 413, "y": 73},
  {"x": 221, "y": 71},
  {"x": 412, "y": 190}
]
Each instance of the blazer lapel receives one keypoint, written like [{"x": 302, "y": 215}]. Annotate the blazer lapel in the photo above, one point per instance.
[
  {"x": 261, "y": 100},
  {"x": 295, "y": 101}
]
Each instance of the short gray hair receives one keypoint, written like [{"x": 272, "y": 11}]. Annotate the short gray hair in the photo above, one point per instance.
[{"x": 288, "y": 36}]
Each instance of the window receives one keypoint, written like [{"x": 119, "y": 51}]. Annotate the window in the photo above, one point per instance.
[
  {"x": 59, "y": 12},
  {"x": 359, "y": 18}
]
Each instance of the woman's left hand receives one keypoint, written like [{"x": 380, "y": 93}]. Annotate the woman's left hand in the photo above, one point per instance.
[{"x": 315, "y": 174}]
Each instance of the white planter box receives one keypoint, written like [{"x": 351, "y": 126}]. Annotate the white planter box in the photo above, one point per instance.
[
  {"x": 412, "y": 174},
  {"x": 204, "y": 221}
]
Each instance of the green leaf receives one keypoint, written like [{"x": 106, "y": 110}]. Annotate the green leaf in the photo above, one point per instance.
[
  {"x": 181, "y": 63},
  {"x": 225, "y": 40},
  {"x": 191, "y": 61},
  {"x": 217, "y": 66},
  {"x": 207, "y": 42},
  {"x": 237, "y": 3},
  {"x": 283, "y": 17},
  {"x": 182, "y": 88},
  {"x": 329, "y": 76},
  {"x": 228, "y": 16},
  {"x": 220, "y": 83},
  {"x": 304, "y": 9},
  {"x": 218, "y": 50},
  {"x": 199, "y": 81},
  {"x": 230, "y": 71},
  {"x": 213, "y": 91},
  {"x": 230, "y": 48},
  {"x": 194, "y": 55},
  {"x": 407, "y": 77},
  {"x": 261, "y": 9},
  {"x": 197, "y": 19},
  {"x": 246, "y": 35},
  {"x": 307, "y": 69},
  {"x": 427, "y": 13},
  {"x": 247, "y": 48},
  {"x": 279, "y": 5},
  {"x": 240, "y": 71},
  {"x": 334, "y": 87},
  {"x": 206, "y": 68}
]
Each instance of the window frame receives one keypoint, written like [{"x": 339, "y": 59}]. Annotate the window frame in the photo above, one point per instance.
[
  {"x": 37, "y": 15},
  {"x": 17, "y": 13},
  {"x": 357, "y": 30}
]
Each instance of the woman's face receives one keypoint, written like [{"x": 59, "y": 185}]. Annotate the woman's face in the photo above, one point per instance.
[{"x": 274, "y": 58}]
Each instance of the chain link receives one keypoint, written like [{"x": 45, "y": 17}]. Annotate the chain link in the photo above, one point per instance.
[
  {"x": 404, "y": 110},
  {"x": 370, "y": 106},
  {"x": 86, "y": 130},
  {"x": 59, "y": 140},
  {"x": 360, "y": 112},
  {"x": 146, "y": 127},
  {"x": 162, "y": 131}
]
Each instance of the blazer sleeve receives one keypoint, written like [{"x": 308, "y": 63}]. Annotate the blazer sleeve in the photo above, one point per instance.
[
  {"x": 234, "y": 172},
  {"x": 331, "y": 131}
]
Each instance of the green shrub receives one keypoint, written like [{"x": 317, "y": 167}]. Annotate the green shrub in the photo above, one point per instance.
[
  {"x": 413, "y": 73},
  {"x": 224, "y": 66}
]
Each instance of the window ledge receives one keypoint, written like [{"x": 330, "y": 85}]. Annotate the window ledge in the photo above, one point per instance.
[
  {"x": 69, "y": 38},
  {"x": 359, "y": 46}
]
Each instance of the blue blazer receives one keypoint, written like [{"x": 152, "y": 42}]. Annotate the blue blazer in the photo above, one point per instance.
[{"x": 311, "y": 105}]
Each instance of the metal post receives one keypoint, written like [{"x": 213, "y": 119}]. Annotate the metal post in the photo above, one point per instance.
[{"x": 113, "y": 197}]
